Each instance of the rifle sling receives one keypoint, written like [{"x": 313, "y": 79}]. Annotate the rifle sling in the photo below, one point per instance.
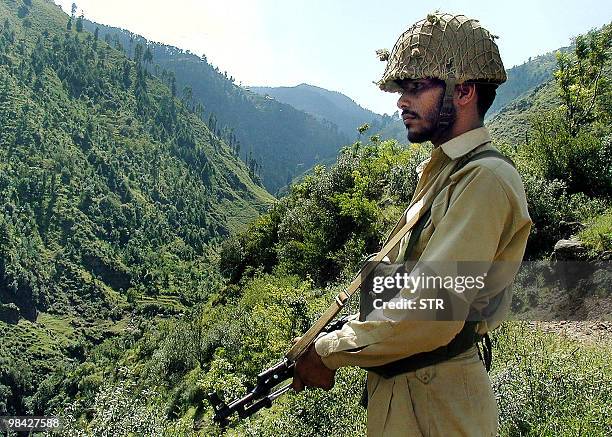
[{"x": 468, "y": 336}]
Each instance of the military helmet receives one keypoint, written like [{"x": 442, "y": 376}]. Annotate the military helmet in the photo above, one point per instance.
[{"x": 446, "y": 47}]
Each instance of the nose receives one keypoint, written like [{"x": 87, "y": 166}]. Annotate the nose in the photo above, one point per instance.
[{"x": 402, "y": 102}]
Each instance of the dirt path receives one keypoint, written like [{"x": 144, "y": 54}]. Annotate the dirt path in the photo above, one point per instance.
[{"x": 588, "y": 332}]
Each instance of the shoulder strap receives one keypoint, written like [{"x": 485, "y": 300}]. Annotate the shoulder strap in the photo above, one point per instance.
[
  {"x": 491, "y": 153},
  {"x": 462, "y": 162}
]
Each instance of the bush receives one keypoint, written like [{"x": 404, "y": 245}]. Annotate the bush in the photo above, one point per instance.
[
  {"x": 549, "y": 205},
  {"x": 597, "y": 236},
  {"x": 332, "y": 218},
  {"x": 546, "y": 385},
  {"x": 583, "y": 162}
]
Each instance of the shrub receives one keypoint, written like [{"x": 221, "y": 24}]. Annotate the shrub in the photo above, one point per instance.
[
  {"x": 549, "y": 205},
  {"x": 547, "y": 385},
  {"x": 583, "y": 162},
  {"x": 597, "y": 236},
  {"x": 307, "y": 233}
]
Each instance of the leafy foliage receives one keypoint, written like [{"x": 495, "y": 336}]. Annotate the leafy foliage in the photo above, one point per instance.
[
  {"x": 331, "y": 219},
  {"x": 597, "y": 235},
  {"x": 275, "y": 140},
  {"x": 581, "y": 80}
]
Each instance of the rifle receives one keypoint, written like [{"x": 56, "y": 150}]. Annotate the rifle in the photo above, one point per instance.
[{"x": 262, "y": 396}]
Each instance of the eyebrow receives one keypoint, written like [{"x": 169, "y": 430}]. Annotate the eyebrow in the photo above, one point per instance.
[{"x": 407, "y": 81}]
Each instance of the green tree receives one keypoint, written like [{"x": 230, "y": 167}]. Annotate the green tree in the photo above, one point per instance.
[
  {"x": 79, "y": 23},
  {"x": 147, "y": 57},
  {"x": 581, "y": 80},
  {"x": 362, "y": 129},
  {"x": 187, "y": 95}
]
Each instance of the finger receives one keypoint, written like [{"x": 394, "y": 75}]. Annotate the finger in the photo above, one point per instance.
[{"x": 296, "y": 339}]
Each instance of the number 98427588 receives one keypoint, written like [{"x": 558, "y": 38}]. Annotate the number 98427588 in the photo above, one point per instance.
[{"x": 28, "y": 423}]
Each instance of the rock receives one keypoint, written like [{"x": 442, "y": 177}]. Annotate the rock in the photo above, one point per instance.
[
  {"x": 606, "y": 255},
  {"x": 569, "y": 250}
]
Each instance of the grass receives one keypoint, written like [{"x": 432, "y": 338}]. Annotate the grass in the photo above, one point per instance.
[
  {"x": 548, "y": 385},
  {"x": 57, "y": 326},
  {"x": 597, "y": 236}
]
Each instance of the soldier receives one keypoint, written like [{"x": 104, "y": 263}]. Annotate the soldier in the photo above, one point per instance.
[{"x": 424, "y": 376}]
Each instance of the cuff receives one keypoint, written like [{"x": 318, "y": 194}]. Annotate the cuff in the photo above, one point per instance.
[
  {"x": 334, "y": 361},
  {"x": 324, "y": 346}
]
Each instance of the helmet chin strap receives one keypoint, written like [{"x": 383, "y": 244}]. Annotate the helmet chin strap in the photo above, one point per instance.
[{"x": 446, "y": 117}]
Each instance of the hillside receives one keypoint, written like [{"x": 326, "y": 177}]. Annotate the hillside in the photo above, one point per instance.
[
  {"x": 512, "y": 123},
  {"x": 525, "y": 78},
  {"x": 273, "y": 138},
  {"x": 111, "y": 192},
  {"x": 326, "y": 105}
]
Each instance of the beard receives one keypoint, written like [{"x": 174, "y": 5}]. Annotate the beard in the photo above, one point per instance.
[
  {"x": 429, "y": 127},
  {"x": 426, "y": 133}
]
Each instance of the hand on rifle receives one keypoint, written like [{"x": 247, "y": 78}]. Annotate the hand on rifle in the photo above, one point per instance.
[{"x": 311, "y": 372}]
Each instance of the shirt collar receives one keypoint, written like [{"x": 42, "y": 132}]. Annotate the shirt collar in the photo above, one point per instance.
[{"x": 466, "y": 142}]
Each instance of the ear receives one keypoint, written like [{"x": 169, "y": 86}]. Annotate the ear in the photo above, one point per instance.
[{"x": 465, "y": 94}]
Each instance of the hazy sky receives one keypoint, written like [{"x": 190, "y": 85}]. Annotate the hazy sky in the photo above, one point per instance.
[{"x": 332, "y": 43}]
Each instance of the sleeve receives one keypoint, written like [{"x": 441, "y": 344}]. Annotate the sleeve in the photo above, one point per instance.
[{"x": 470, "y": 228}]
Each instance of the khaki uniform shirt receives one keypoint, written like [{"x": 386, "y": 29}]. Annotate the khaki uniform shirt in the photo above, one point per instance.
[{"x": 481, "y": 215}]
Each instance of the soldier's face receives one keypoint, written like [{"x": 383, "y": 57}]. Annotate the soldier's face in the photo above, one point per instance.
[{"x": 420, "y": 106}]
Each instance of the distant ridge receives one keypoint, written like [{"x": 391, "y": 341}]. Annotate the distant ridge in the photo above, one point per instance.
[
  {"x": 332, "y": 106},
  {"x": 275, "y": 139}
]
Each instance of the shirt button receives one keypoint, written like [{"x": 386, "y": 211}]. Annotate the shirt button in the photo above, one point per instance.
[{"x": 424, "y": 375}]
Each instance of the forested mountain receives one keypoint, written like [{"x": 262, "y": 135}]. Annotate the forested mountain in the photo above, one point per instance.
[
  {"x": 327, "y": 105},
  {"x": 513, "y": 122},
  {"x": 111, "y": 190},
  {"x": 525, "y": 78},
  {"x": 276, "y": 140}
]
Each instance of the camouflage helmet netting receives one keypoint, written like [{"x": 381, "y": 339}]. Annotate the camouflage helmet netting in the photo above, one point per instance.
[{"x": 444, "y": 46}]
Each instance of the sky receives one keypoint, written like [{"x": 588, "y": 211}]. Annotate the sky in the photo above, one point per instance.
[{"x": 332, "y": 43}]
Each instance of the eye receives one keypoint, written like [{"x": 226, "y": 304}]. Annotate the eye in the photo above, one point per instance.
[{"x": 409, "y": 86}]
